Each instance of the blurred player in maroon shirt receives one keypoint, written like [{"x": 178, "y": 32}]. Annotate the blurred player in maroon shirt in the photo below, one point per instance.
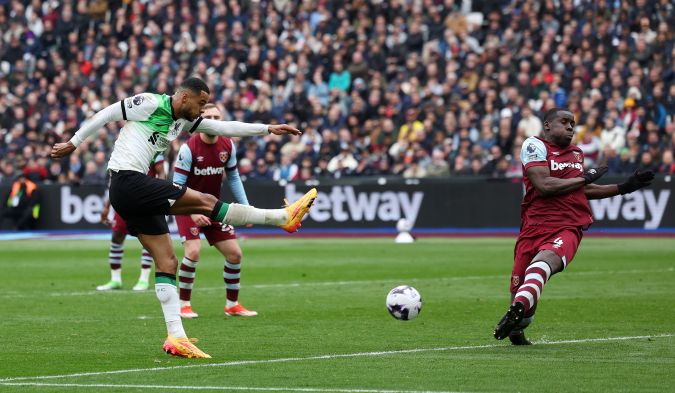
[
  {"x": 119, "y": 234},
  {"x": 201, "y": 163},
  {"x": 554, "y": 212}
]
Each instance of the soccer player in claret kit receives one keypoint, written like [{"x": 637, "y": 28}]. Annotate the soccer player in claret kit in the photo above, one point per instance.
[
  {"x": 200, "y": 165},
  {"x": 554, "y": 212},
  {"x": 152, "y": 121},
  {"x": 119, "y": 234}
]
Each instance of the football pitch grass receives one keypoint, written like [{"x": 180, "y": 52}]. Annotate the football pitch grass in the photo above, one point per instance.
[{"x": 605, "y": 325}]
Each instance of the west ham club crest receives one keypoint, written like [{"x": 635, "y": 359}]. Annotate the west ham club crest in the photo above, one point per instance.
[
  {"x": 577, "y": 156},
  {"x": 223, "y": 156}
]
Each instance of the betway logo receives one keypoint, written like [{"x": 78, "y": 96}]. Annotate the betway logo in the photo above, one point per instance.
[
  {"x": 559, "y": 166},
  {"x": 209, "y": 170},
  {"x": 632, "y": 207},
  {"x": 343, "y": 204},
  {"x": 74, "y": 208}
]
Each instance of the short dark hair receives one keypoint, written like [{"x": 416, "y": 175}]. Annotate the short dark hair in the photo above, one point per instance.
[
  {"x": 552, "y": 113},
  {"x": 195, "y": 85}
]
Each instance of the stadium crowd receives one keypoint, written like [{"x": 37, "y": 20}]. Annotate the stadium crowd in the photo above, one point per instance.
[{"x": 427, "y": 88}]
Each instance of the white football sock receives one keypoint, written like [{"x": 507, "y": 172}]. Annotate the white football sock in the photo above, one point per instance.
[
  {"x": 168, "y": 297},
  {"x": 242, "y": 214},
  {"x": 116, "y": 274}
]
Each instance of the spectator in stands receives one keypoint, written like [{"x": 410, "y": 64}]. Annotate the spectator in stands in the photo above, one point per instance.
[
  {"x": 667, "y": 166},
  {"x": 92, "y": 175},
  {"x": 530, "y": 124},
  {"x": 61, "y": 61}
]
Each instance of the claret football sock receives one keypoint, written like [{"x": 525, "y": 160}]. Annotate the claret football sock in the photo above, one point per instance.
[
  {"x": 231, "y": 276},
  {"x": 536, "y": 275},
  {"x": 186, "y": 278}
]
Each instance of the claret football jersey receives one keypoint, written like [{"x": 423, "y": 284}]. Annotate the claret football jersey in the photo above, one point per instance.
[{"x": 571, "y": 209}]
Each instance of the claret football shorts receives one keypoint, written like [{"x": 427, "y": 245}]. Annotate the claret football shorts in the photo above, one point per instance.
[
  {"x": 214, "y": 233},
  {"x": 562, "y": 241}
]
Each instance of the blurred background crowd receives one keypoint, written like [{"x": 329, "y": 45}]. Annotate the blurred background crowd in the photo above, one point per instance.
[{"x": 427, "y": 88}]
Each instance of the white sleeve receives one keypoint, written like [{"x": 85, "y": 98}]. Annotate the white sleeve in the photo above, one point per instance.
[
  {"x": 100, "y": 119},
  {"x": 139, "y": 107},
  {"x": 229, "y": 128},
  {"x": 532, "y": 150}
]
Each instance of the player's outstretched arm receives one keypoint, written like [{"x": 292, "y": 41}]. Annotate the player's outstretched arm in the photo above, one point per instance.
[
  {"x": 240, "y": 129},
  {"x": 100, "y": 119},
  {"x": 635, "y": 182},
  {"x": 546, "y": 185}
]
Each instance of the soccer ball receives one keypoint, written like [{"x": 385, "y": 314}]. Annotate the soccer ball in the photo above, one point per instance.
[{"x": 404, "y": 302}]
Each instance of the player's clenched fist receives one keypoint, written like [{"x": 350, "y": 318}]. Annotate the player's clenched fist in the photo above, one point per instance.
[
  {"x": 636, "y": 181},
  {"x": 62, "y": 149},
  {"x": 593, "y": 174}
]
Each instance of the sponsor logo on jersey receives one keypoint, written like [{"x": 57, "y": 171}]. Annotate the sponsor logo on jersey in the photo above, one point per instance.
[
  {"x": 209, "y": 170},
  {"x": 137, "y": 100},
  {"x": 223, "y": 155},
  {"x": 559, "y": 166},
  {"x": 558, "y": 242},
  {"x": 577, "y": 155}
]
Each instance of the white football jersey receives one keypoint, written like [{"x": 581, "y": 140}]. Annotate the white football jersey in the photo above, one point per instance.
[{"x": 150, "y": 127}]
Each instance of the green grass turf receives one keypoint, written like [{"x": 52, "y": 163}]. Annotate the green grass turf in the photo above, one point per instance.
[{"x": 323, "y": 297}]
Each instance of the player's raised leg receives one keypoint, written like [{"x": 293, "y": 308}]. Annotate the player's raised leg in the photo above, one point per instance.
[
  {"x": 115, "y": 257},
  {"x": 288, "y": 218},
  {"x": 232, "y": 276},
  {"x": 186, "y": 276},
  {"x": 161, "y": 249}
]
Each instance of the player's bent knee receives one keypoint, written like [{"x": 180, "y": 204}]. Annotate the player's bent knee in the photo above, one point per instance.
[
  {"x": 233, "y": 257},
  {"x": 167, "y": 265},
  {"x": 192, "y": 250},
  {"x": 118, "y": 237},
  {"x": 193, "y": 256},
  {"x": 208, "y": 200}
]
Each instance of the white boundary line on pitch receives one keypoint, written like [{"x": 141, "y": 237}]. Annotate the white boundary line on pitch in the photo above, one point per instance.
[
  {"x": 226, "y": 388},
  {"x": 327, "y": 357},
  {"x": 352, "y": 282}
]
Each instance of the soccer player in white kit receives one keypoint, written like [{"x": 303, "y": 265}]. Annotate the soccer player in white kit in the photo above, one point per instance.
[{"x": 152, "y": 122}]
